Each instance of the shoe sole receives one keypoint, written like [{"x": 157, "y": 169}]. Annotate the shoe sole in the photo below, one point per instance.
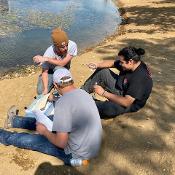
[{"x": 12, "y": 111}]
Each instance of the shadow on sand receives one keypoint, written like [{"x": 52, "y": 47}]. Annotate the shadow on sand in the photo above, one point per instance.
[
  {"x": 47, "y": 168},
  {"x": 132, "y": 139}
]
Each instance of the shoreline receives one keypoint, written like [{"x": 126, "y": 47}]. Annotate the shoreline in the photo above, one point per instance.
[{"x": 26, "y": 70}]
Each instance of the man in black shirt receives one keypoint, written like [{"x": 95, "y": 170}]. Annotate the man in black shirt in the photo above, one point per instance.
[{"x": 126, "y": 92}]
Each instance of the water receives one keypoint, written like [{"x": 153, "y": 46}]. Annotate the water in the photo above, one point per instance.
[{"x": 25, "y": 26}]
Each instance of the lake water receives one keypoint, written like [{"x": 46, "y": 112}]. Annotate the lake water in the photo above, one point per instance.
[{"x": 25, "y": 26}]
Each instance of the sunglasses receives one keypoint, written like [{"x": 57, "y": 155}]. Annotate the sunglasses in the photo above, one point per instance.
[{"x": 60, "y": 47}]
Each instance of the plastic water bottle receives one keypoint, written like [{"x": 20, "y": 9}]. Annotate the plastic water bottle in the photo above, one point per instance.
[{"x": 78, "y": 162}]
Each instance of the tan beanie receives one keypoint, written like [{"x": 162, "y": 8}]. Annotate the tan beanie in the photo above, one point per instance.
[{"x": 59, "y": 37}]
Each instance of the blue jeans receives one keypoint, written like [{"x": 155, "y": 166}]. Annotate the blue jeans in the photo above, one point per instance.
[
  {"x": 33, "y": 142},
  {"x": 40, "y": 84}
]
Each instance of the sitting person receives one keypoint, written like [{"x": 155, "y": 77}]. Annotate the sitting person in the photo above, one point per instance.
[
  {"x": 58, "y": 54},
  {"x": 126, "y": 92},
  {"x": 77, "y": 128}
]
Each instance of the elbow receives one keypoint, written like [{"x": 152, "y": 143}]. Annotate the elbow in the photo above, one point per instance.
[
  {"x": 62, "y": 145},
  {"x": 62, "y": 64},
  {"x": 61, "y": 140},
  {"x": 127, "y": 105}
]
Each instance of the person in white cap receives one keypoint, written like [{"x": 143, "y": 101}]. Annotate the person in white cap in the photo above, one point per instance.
[
  {"x": 76, "y": 125},
  {"x": 57, "y": 55}
]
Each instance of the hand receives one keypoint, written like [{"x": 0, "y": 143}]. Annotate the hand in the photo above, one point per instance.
[
  {"x": 40, "y": 128},
  {"x": 45, "y": 91},
  {"x": 51, "y": 97},
  {"x": 39, "y": 59},
  {"x": 99, "y": 90},
  {"x": 92, "y": 66}
]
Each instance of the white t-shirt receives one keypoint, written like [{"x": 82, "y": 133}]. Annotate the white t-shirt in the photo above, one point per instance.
[{"x": 72, "y": 50}]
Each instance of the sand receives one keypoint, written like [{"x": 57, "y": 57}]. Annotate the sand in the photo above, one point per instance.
[{"x": 141, "y": 143}]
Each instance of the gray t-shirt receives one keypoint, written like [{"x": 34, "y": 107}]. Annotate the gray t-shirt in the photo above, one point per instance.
[
  {"x": 72, "y": 50},
  {"x": 77, "y": 114}
]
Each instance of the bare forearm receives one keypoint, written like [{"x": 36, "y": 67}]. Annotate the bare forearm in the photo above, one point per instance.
[
  {"x": 106, "y": 64},
  {"x": 52, "y": 98},
  {"x": 57, "y": 62},
  {"x": 60, "y": 62},
  {"x": 59, "y": 139},
  {"x": 53, "y": 139},
  {"x": 54, "y": 61},
  {"x": 123, "y": 101}
]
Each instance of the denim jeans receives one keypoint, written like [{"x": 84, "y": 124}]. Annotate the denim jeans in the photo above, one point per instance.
[
  {"x": 30, "y": 141},
  {"x": 40, "y": 84}
]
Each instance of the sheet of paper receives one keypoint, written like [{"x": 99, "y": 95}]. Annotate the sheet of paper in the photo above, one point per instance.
[
  {"x": 39, "y": 103},
  {"x": 42, "y": 118},
  {"x": 42, "y": 102}
]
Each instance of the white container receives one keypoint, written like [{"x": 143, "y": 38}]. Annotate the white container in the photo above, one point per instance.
[{"x": 78, "y": 162}]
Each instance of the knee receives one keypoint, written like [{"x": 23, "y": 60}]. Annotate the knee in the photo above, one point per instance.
[
  {"x": 25, "y": 140},
  {"x": 103, "y": 71}
]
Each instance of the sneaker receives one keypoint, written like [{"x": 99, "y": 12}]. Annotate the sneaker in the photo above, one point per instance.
[{"x": 12, "y": 111}]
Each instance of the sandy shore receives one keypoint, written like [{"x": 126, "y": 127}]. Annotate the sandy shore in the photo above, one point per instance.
[{"x": 141, "y": 143}]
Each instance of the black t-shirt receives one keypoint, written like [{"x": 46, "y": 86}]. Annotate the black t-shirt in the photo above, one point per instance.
[{"x": 138, "y": 84}]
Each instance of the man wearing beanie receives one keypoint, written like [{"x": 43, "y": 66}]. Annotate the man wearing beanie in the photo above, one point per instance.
[{"x": 57, "y": 55}]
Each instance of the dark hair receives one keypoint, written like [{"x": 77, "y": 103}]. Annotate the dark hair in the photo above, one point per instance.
[{"x": 131, "y": 53}]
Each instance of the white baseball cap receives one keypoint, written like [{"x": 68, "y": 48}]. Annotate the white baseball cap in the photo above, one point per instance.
[{"x": 60, "y": 73}]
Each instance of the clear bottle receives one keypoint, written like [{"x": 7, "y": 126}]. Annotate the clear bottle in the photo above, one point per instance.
[{"x": 78, "y": 162}]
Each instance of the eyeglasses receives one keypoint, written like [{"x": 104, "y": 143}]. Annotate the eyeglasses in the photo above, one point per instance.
[
  {"x": 63, "y": 46},
  {"x": 60, "y": 47}
]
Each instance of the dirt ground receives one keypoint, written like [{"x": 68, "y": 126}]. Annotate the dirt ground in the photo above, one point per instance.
[{"x": 141, "y": 143}]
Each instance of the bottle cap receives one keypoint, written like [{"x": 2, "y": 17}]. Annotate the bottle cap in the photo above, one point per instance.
[{"x": 85, "y": 162}]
